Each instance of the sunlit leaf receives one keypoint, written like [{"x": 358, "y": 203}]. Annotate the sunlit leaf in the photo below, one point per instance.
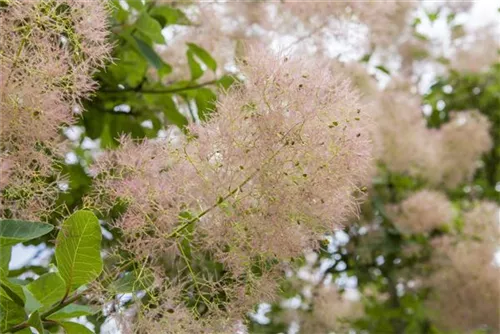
[{"x": 78, "y": 249}]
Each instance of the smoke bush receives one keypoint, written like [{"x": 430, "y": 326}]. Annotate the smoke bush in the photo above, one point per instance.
[{"x": 278, "y": 165}]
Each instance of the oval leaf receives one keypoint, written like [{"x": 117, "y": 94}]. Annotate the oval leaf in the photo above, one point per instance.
[
  {"x": 78, "y": 249},
  {"x": 15, "y": 231}
]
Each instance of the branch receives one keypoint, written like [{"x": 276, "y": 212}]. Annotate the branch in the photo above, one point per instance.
[
  {"x": 45, "y": 314},
  {"x": 160, "y": 91}
]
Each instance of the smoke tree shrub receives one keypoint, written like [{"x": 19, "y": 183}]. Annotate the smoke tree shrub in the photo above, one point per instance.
[{"x": 276, "y": 167}]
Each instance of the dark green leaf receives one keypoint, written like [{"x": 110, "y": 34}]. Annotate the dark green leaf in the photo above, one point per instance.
[
  {"x": 152, "y": 57},
  {"x": 383, "y": 69}
]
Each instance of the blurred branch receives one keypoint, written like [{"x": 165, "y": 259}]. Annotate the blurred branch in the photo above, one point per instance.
[{"x": 159, "y": 91}]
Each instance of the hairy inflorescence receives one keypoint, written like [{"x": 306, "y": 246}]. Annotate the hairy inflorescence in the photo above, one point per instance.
[
  {"x": 422, "y": 212},
  {"x": 49, "y": 50},
  {"x": 279, "y": 164},
  {"x": 464, "y": 284}
]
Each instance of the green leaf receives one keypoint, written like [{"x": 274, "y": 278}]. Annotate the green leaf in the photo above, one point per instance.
[
  {"x": 75, "y": 328},
  {"x": 78, "y": 249},
  {"x": 35, "y": 322},
  {"x": 129, "y": 69},
  {"x": 433, "y": 16},
  {"x": 152, "y": 57},
  {"x": 136, "y": 4},
  {"x": 205, "y": 100},
  {"x": 204, "y": 56},
  {"x": 48, "y": 289},
  {"x": 166, "y": 15},
  {"x": 226, "y": 81},
  {"x": 5, "y": 253},
  {"x": 366, "y": 58},
  {"x": 133, "y": 281},
  {"x": 71, "y": 311},
  {"x": 31, "y": 304},
  {"x": 10, "y": 312},
  {"x": 170, "y": 110},
  {"x": 16, "y": 231},
  {"x": 194, "y": 66},
  {"x": 383, "y": 69},
  {"x": 150, "y": 27},
  {"x": 14, "y": 291}
]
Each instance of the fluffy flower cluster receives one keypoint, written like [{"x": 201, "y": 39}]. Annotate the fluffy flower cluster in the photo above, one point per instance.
[
  {"x": 465, "y": 284},
  {"x": 473, "y": 52},
  {"x": 447, "y": 156},
  {"x": 49, "y": 51},
  {"x": 278, "y": 165},
  {"x": 384, "y": 19},
  {"x": 422, "y": 212}
]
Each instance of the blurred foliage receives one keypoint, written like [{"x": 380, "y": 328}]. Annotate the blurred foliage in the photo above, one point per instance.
[{"x": 466, "y": 91}]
